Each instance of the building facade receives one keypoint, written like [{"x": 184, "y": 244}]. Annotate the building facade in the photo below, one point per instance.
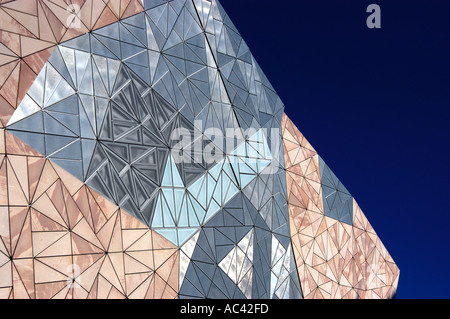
[{"x": 144, "y": 154}]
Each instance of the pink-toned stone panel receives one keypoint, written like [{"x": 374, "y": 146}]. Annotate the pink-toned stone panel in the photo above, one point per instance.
[
  {"x": 335, "y": 260},
  {"x": 61, "y": 239}
]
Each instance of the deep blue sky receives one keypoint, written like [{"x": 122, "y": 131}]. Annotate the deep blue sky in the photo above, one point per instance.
[{"x": 375, "y": 104}]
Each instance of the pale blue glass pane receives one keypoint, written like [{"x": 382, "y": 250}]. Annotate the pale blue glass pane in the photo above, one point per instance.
[
  {"x": 261, "y": 150},
  {"x": 167, "y": 177},
  {"x": 158, "y": 217},
  {"x": 185, "y": 233},
  {"x": 252, "y": 150},
  {"x": 262, "y": 164},
  {"x": 252, "y": 163},
  {"x": 178, "y": 197},
  {"x": 232, "y": 159},
  {"x": 215, "y": 171},
  {"x": 256, "y": 137},
  {"x": 202, "y": 198},
  {"x": 246, "y": 179},
  {"x": 224, "y": 187},
  {"x": 232, "y": 191},
  {"x": 198, "y": 190},
  {"x": 194, "y": 189},
  {"x": 212, "y": 210},
  {"x": 183, "y": 220},
  {"x": 240, "y": 150},
  {"x": 198, "y": 210},
  {"x": 260, "y": 135},
  {"x": 217, "y": 195},
  {"x": 244, "y": 167},
  {"x": 193, "y": 219},
  {"x": 169, "y": 198},
  {"x": 234, "y": 162},
  {"x": 229, "y": 172},
  {"x": 167, "y": 212},
  {"x": 211, "y": 184},
  {"x": 177, "y": 181}
]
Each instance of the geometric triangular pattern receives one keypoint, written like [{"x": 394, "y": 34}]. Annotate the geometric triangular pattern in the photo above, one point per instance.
[
  {"x": 337, "y": 201},
  {"x": 284, "y": 283},
  {"x": 144, "y": 154},
  {"x": 68, "y": 242},
  {"x": 255, "y": 104},
  {"x": 238, "y": 264},
  {"x": 181, "y": 211},
  {"x": 204, "y": 277},
  {"x": 32, "y": 28},
  {"x": 337, "y": 252},
  {"x": 106, "y": 112},
  {"x": 112, "y": 98}
]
